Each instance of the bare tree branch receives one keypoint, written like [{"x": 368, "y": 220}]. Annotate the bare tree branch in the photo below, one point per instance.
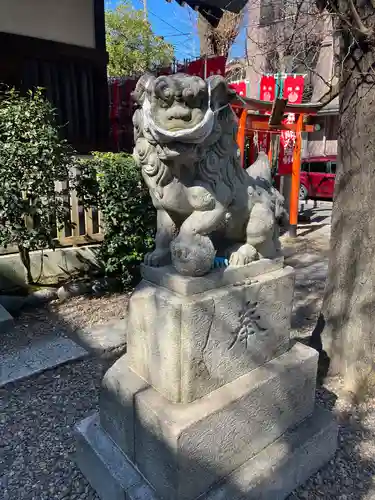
[
  {"x": 358, "y": 24},
  {"x": 330, "y": 95}
]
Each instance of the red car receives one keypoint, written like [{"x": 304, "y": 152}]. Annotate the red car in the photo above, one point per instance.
[{"x": 317, "y": 177}]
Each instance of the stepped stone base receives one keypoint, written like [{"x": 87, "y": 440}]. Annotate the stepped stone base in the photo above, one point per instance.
[
  {"x": 272, "y": 474},
  {"x": 210, "y": 402},
  {"x": 182, "y": 450}
]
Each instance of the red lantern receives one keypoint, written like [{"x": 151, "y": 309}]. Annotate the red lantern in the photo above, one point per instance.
[
  {"x": 293, "y": 88},
  {"x": 267, "y": 88},
  {"x": 239, "y": 87}
]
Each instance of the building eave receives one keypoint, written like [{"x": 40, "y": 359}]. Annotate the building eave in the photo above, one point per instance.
[{"x": 331, "y": 109}]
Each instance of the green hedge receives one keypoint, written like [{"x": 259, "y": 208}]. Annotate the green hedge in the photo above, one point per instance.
[
  {"x": 113, "y": 183},
  {"x": 32, "y": 158}
]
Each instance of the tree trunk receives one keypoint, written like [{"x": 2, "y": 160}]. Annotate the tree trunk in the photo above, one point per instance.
[
  {"x": 218, "y": 41},
  {"x": 25, "y": 259},
  {"x": 205, "y": 37},
  {"x": 348, "y": 310}
]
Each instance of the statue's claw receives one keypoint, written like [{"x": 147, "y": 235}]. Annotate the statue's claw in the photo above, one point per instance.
[{"x": 159, "y": 257}]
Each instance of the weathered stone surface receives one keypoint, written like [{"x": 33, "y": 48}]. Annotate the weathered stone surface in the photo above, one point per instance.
[
  {"x": 207, "y": 204},
  {"x": 284, "y": 465},
  {"x": 183, "y": 449},
  {"x": 272, "y": 474},
  {"x": 119, "y": 388},
  {"x": 188, "y": 285},
  {"x": 14, "y": 303},
  {"x": 109, "y": 472},
  {"x": 103, "y": 339},
  {"x": 186, "y": 347},
  {"x": 49, "y": 263}
]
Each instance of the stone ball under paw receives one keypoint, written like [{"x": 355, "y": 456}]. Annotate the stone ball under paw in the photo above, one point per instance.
[{"x": 193, "y": 256}]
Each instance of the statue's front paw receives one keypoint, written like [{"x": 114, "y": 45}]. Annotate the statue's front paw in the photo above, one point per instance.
[
  {"x": 159, "y": 257},
  {"x": 243, "y": 256}
]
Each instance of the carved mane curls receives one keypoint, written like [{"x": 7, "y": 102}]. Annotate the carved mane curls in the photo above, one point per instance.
[
  {"x": 214, "y": 161},
  {"x": 220, "y": 163}
]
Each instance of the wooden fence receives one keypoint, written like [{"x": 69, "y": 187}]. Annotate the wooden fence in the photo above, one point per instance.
[{"x": 83, "y": 227}]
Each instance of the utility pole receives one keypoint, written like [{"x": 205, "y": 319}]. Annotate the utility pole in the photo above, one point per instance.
[
  {"x": 145, "y": 14},
  {"x": 145, "y": 9}
]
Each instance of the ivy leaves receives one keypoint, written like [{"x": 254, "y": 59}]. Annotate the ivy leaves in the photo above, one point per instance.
[
  {"x": 113, "y": 183},
  {"x": 32, "y": 159}
]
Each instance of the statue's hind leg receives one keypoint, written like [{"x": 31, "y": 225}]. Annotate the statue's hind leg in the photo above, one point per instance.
[
  {"x": 260, "y": 230},
  {"x": 240, "y": 255},
  {"x": 259, "y": 237}
]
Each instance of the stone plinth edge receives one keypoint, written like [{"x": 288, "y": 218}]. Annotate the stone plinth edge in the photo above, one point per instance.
[
  {"x": 272, "y": 474},
  {"x": 168, "y": 277}
]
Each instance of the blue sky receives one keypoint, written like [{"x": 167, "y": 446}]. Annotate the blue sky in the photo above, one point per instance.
[{"x": 178, "y": 26}]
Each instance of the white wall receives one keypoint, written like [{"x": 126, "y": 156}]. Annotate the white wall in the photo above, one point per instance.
[
  {"x": 67, "y": 21},
  {"x": 324, "y": 66},
  {"x": 256, "y": 38}
]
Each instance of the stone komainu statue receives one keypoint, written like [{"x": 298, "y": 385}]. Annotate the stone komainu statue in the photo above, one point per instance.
[{"x": 207, "y": 205}]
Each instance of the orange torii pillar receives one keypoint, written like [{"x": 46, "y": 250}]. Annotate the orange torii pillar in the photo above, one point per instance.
[
  {"x": 294, "y": 190},
  {"x": 241, "y": 135}
]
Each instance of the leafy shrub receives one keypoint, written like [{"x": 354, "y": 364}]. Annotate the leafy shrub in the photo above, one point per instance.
[
  {"x": 113, "y": 183},
  {"x": 32, "y": 158}
]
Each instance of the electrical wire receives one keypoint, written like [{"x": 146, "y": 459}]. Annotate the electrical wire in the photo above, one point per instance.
[{"x": 163, "y": 20}]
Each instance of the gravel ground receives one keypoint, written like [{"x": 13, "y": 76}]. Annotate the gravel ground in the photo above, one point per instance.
[
  {"x": 37, "y": 442},
  {"x": 37, "y": 416},
  {"x": 36, "y": 437},
  {"x": 350, "y": 475}
]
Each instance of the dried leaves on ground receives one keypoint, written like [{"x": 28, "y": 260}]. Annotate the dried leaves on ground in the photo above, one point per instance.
[{"x": 62, "y": 319}]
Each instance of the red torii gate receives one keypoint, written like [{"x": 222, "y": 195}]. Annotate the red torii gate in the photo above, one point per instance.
[{"x": 250, "y": 122}]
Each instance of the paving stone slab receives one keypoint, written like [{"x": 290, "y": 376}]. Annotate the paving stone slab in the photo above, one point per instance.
[
  {"x": 6, "y": 320},
  {"x": 38, "y": 357},
  {"x": 104, "y": 339}
]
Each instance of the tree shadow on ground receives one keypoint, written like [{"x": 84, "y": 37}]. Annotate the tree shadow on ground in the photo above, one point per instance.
[
  {"x": 354, "y": 465},
  {"x": 309, "y": 289},
  {"x": 46, "y": 408}
]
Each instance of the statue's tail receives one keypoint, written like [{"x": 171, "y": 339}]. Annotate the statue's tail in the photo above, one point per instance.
[
  {"x": 281, "y": 212},
  {"x": 260, "y": 171},
  {"x": 261, "y": 168}
]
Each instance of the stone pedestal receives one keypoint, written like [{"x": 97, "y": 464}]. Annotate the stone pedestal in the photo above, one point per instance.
[{"x": 210, "y": 401}]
